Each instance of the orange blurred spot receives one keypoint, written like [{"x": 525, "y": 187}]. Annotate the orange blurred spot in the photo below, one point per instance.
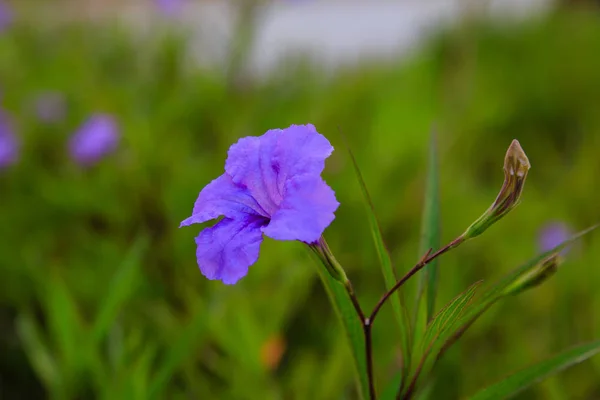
[{"x": 272, "y": 351}]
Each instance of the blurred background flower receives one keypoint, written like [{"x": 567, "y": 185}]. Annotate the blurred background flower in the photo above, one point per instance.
[
  {"x": 95, "y": 139},
  {"x": 552, "y": 234},
  {"x": 9, "y": 144},
  {"x": 5, "y": 15},
  {"x": 170, "y": 7},
  {"x": 50, "y": 107}
]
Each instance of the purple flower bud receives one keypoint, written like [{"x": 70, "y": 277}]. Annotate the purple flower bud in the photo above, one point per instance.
[
  {"x": 553, "y": 234},
  {"x": 50, "y": 107},
  {"x": 95, "y": 139},
  {"x": 9, "y": 144},
  {"x": 5, "y": 15}
]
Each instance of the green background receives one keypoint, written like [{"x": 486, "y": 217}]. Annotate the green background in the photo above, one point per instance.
[{"x": 100, "y": 293}]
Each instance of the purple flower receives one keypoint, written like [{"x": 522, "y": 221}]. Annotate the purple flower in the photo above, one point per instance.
[
  {"x": 50, "y": 107},
  {"x": 5, "y": 15},
  {"x": 170, "y": 7},
  {"x": 272, "y": 184},
  {"x": 553, "y": 234},
  {"x": 95, "y": 139},
  {"x": 9, "y": 144}
]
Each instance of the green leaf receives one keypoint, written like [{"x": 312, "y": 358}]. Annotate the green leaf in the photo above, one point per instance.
[
  {"x": 449, "y": 315},
  {"x": 37, "y": 351},
  {"x": 66, "y": 328},
  {"x": 182, "y": 347},
  {"x": 121, "y": 288},
  {"x": 391, "y": 389},
  {"x": 386, "y": 264},
  {"x": 342, "y": 304},
  {"x": 430, "y": 232},
  {"x": 498, "y": 290},
  {"x": 432, "y": 341},
  {"x": 520, "y": 381}
]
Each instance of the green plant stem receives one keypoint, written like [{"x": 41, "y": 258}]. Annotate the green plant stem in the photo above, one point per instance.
[
  {"x": 424, "y": 261},
  {"x": 366, "y": 326},
  {"x": 368, "y": 321}
]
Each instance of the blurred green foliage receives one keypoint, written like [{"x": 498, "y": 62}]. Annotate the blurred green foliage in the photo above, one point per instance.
[{"x": 100, "y": 292}]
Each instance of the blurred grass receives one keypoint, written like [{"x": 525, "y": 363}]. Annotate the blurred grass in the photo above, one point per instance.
[{"x": 66, "y": 233}]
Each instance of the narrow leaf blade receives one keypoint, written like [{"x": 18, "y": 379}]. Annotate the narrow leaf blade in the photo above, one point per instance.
[
  {"x": 386, "y": 263},
  {"x": 521, "y": 380},
  {"x": 430, "y": 230},
  {"x": 183, "y": 347},
  {"x": 496, "y": 291},
  {"x": 450, "y": 314},
  {"x": 121, "y": 288},
  {"x": 351, "y": 324}
]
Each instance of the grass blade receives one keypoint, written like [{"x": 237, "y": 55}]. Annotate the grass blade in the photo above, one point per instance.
[
  {"x": 521, "y": 380},
  {"x": 385, "y": 262},
  {"x": 497, "y": 291},
  {"x": 121, "y": 288},
  {"x": 183, "y": 347},
  {"x": 430, "y": 232},
  {"x": 350, "y": 322},
  {"x": 38, "y": 352},
  {"x": 433, "y": 339},
  {"x": 449, "y": 315}
]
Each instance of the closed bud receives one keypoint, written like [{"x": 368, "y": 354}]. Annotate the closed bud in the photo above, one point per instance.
[
  {"x": 516, "y": 167},
  {"x": 325, "y": 255},
  {"x": 544, "y": 270}
]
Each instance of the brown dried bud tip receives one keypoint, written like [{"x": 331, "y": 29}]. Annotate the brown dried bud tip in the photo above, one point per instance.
[{"x": 516, "y": 167}]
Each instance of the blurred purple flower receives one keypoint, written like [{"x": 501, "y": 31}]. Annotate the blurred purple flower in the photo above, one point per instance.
[
  {"x": 50, "y": 106},
  {"x": 170, "y": 7},
  {"x": 6, "y": 15},
  {"x": 95, "y": 139},
  {"x": 272, "y": 184},
  {"x": 9, "y": 144},
  {"x": 553, "y": 234}
]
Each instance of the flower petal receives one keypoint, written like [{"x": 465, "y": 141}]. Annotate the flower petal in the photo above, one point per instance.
[
  {"x": 307, "y": 209},
  {"x": 300, "y": 150},
  {"x": 249, "y": 164},
  {"x": 263, "y": 164},
  {"x": 223, "y": 197},
  {"x": 226, "y": 250}
]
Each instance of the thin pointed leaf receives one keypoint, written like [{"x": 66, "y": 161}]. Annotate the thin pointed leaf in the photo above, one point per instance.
[
  {"x": 433, "y": 338},
  {"x": 386, "y": 263},
  {"x": 351, "y": 324},
  {"x": 473, "y": 309},
  {"x": 182, "y": 347},
  {"x": 497, "y": 291},
  {"x": 121, "y": 288},
  {"x": 520, "y": 381},
  {"x": 65, "y": 326},
  {"x": 37, "y": 351},
  {"x": 390, "y": 391},
  {"x": 448, "y": 316},
  {"x": 430, "y": 232}
]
